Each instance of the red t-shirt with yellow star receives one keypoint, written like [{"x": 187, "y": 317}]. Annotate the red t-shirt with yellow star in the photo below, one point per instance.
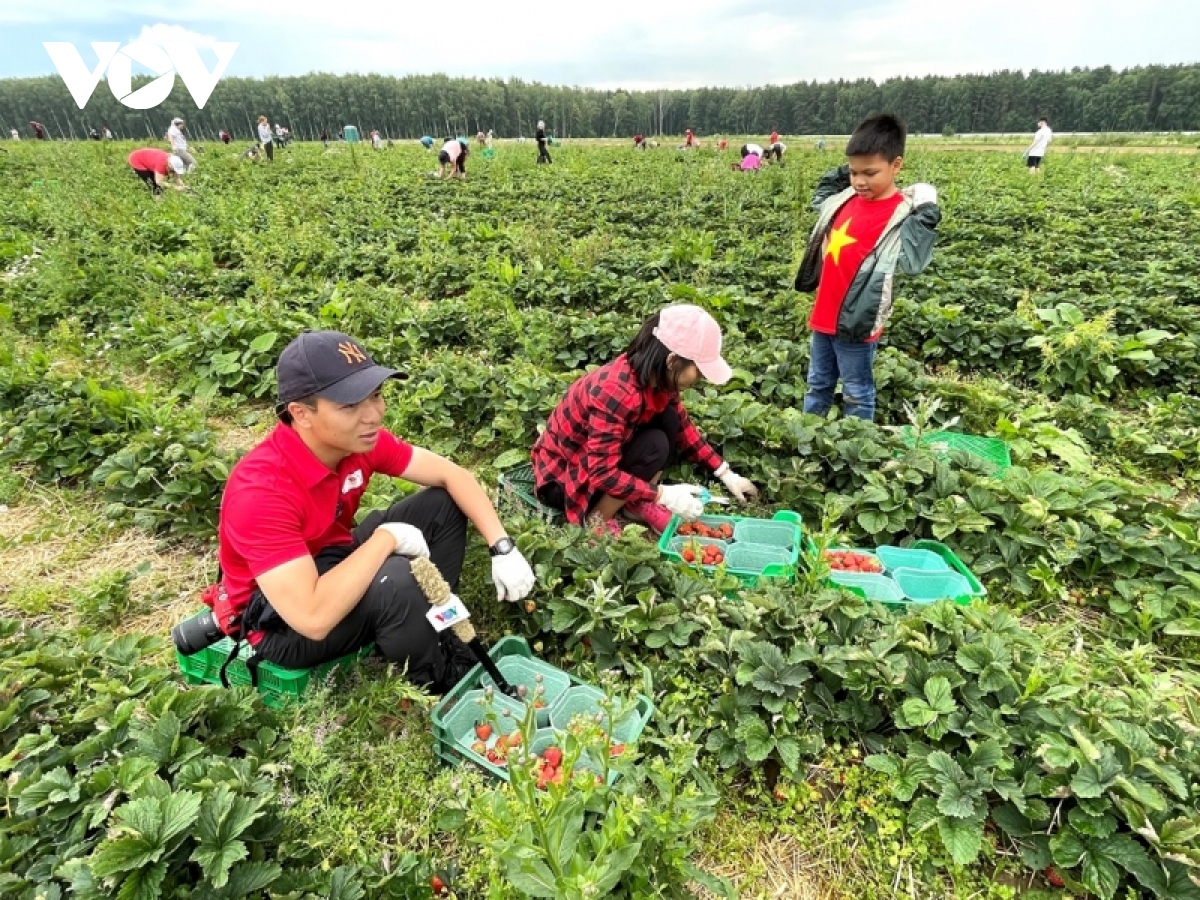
[{"x": 856, "y": 230}]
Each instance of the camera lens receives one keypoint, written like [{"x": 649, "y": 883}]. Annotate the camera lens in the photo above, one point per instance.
[{"x": 194, "y": 634}]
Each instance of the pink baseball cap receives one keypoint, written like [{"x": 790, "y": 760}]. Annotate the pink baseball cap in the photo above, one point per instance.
[{"x": 693, "y": 334}]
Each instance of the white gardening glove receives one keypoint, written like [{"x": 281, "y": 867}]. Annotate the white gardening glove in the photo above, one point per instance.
[
  {"x": 922, "y": 193},
  {"x": 409, "y": 539},
  {"x": 740, "y": 487},
  {"x": 513, "y": 577},
  {"x": 682, "y": 499}
]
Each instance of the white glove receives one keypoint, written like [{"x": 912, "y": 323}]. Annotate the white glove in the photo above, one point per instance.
[
  {"x": 682, "y": 499},
  {"x": 740, "y": 487},
  {"x": 922, "y": 193},
  {"x": 513, "y": 577},
  {"x": 409, "y": 540}
]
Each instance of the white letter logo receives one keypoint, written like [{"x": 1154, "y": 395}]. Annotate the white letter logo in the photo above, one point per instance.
[{"x": 163, "y": 61}]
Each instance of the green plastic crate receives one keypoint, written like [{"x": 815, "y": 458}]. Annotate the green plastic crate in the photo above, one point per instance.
[
  {"x": 278, "y": 685},
  {"x": 519, "y": 670},
  {"x": 446, "y": 721},
  {"x": 910, "y": 558},
  {"x": 928, "y": 587},
  {"x": 952, "y": 560},
  {"x": 748, "y": 577},
  {"x": 992, "y": 451},
  {"x": 520, "y": 484}
]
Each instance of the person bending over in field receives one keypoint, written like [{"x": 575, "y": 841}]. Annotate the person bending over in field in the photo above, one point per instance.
[
  {"x": 426, "y": 142},
  {"x": 753, "y": 150},
  {"x": 607, "y": 443},
  {"x": 776, "y": 151},
  {"x": 750, "y": 163},
  {"x": 867, "y": 228},
  {"x": 453, "y": 158},
  {"x": 306, "y": 583},
  {"x": 153, "y": 165}
]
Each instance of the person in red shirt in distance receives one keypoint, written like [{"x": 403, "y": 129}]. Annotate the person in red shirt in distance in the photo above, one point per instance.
[
  {"x": 868, "y": 228},
  {"x": 607, "y": 443},
  {"x": 309, "y": 584},
  {"x": 152, "y": 166}
]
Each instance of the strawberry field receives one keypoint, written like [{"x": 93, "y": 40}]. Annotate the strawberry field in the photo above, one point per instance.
[{"x": 1040, "y": 742}]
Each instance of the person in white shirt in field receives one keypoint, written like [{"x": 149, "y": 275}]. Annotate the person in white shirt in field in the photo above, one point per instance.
[
  {"x": 1036, "y": 150},
  {"x": 264, "y": 137},
  {"x": 179, "y": 145}
]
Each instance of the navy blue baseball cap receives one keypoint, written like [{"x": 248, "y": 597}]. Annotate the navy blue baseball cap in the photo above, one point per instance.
[{"x": 328, "y": 364}]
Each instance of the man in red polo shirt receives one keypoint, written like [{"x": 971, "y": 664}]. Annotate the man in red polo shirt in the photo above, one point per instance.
[{"x": 313, "y": 585}]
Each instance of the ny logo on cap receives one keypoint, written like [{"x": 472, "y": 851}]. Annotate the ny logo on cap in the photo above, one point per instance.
[{"x": 351, "y": 353}]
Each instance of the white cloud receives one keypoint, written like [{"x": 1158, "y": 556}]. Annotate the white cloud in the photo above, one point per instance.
[
  {"x": 174, "y": 34},
  {"x": 641, "y": 43}
]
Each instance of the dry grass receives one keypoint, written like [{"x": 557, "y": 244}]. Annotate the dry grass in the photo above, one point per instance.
[
  {"x": 778, "y": 868},
  {"x": 54, "y": 544}
]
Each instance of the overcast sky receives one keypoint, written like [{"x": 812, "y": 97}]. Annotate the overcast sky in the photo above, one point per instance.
[{"x": 627, "y": 43}]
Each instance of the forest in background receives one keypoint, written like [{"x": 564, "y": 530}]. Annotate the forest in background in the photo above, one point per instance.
[{"x": 1150, "y": 98}]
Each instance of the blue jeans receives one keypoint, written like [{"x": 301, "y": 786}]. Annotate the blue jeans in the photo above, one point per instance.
[{"x": 853, "y": 362}]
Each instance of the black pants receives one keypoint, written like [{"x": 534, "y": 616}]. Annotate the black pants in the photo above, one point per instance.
[
  {"x": 646, "y": 454},
  {"x": 543, "y": 153},
  {"x": 392, "y": 611},
  {"x": 269, "y": 146},
  {"x": 148, "y": 177}
]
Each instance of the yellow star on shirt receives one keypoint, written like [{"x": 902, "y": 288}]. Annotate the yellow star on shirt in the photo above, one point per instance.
[{"x": 839, "y": 238}]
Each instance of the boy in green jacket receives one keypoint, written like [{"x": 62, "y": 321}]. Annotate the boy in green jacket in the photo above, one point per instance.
[{"x": 867, "y": 228}]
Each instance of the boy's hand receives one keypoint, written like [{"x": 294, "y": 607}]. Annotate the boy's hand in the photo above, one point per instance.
[{"x": 922, "y": 193}]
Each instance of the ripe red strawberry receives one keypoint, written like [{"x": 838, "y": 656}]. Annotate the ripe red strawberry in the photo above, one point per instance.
[
  {"x": 1054, "y": 878},
  {"x": 439, "y": 886},
  {"x": 616, "y": 749},
  {"x": 553, "y": 756},
  {"x": 689, "y": 555},
  {"x": 483, "y": 730}
]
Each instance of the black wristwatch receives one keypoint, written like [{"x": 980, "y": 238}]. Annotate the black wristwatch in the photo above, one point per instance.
[{"x": 502, "y": 546}]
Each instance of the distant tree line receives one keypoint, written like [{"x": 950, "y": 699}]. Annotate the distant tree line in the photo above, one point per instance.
[{"x": 1151, "y": 98}]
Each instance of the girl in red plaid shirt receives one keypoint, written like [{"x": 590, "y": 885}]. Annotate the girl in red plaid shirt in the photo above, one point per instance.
[{"x": 608, "y": 441}]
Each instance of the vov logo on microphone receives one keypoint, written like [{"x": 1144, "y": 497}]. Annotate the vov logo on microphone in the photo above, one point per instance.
[{"x": 164, "y": 61}]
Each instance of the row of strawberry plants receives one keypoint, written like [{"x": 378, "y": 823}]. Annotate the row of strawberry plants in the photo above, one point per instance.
[{"x": 999, "y": 738}]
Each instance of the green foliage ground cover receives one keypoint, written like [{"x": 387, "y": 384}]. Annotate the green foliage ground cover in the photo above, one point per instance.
[{"x": 1053, "y": 725}]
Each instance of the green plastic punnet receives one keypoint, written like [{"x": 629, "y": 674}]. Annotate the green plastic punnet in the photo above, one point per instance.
[
  {"x": 870, "y": 586},
  {"x": 766, "y": 533},
  {"x": 952, "y": 560},
  {"x": 908, "y": 558},
  {"x": 756, "y": 557},
  {"x": 928, "y": 587}
]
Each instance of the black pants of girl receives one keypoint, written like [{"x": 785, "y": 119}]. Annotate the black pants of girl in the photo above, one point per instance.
[
  {"x": 543, "y": 153},
  {"x": 646, "y": 454},
  {"x": 269, "y": 146}
]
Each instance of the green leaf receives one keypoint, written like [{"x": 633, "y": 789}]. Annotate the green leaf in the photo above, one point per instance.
[
  {"x": 510, "y": 458},
  {"x": 217, "y": 859},
  {"x": 179, "y": 811},
  {"x": 144, "y": 884},
  {"x": 1099, "y": 875},
  {"x": 264, "y": 342},
  {"x": 1180, "y": 830},
  {"x": 917, "y": 712},
  {"x": 1189, "y": 627},
  {"x": 883, "y": 762},
  {"x": 957, "y": 802},
  {"x": 789, "y": 753},
  {"x": 532, "y": 877},
  {"x": 757, "y": 742},
  {"x": 616, "y": 864},
  {"x": 873, "y": 521},
  {"x": 344, "y": 884},
  {"x": 939, "y": 695},
  {"x": 250, "y": 878},
  {"x": 1132, "y": 857},
  {"x": 962, "y": 838},
  {"x": 124, "y": 854}
]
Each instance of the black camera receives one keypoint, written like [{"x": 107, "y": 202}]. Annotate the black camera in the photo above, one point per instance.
[{"x": 194, "y": 634}]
